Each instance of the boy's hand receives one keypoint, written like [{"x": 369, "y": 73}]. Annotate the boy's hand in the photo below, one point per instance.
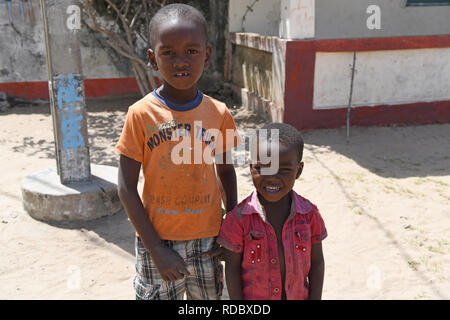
[
  {"x": 169, "y": 263},
  {"x": 216, "y": 251}
]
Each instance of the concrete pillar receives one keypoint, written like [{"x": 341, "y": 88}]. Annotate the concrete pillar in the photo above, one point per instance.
[
  {"x": 61, "y": 20},
  {"x": 70, "y": 192}
]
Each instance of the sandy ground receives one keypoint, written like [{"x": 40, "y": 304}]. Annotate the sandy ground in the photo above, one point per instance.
[{"x": 385, "y": 199}]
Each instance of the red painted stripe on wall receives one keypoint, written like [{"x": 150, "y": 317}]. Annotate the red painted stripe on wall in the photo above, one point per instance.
[
  {"x": 382, "y": 115},
  {"x": 93, "y": 88},
  {"x": 108, "y": 87},
  {"x": 27, "y": 90},
  {"x": 374, "y": 44}
]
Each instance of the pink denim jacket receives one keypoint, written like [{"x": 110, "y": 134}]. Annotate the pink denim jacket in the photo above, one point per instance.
[{"x": 246, "y": 230}]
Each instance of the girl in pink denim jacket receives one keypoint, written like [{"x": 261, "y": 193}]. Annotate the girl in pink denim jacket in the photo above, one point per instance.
[{"x": 273, "y": 237}]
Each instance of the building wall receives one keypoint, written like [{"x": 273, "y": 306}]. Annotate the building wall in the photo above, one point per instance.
[
  {"x": 382, "y": 77},
  {"x": 264, "y": 19},
  {"x": 337, "y": 19},
  {"x": 402, "y": 71},
  {"x": 297, "y": 19},
  {"x": 399, "y": 80},
  {"x": 22, "y": 55},
  {"x": 348, "y": 19},
  {"x": 23, "y": 48},
  {"x": 23, "y": 68}
]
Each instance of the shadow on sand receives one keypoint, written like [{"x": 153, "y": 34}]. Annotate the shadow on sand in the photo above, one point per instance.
[
  {"x": 115, "y": 229},
  {"x": 390, "y": 152}
]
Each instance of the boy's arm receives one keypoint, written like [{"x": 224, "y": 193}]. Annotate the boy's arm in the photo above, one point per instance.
[
  {"x": 168, "y": 262},
  {"x": 316, "y": 272},
  {"x": 233, "y": 273},
  {"x": 227, "y": 176}
]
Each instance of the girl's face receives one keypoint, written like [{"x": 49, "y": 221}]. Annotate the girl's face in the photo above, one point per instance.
[{"x": 275, "y": 187}]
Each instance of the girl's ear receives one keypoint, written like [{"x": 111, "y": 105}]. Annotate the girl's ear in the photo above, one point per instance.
[
  {"x": 152, "y": 59},
  {"x": 299, "y": 170}
]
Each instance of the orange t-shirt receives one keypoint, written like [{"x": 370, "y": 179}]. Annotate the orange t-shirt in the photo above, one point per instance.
[{"x": 175, "y": 146}]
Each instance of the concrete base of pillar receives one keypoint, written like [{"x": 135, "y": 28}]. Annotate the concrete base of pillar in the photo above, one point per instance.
[{"x": 45, "y": 198}]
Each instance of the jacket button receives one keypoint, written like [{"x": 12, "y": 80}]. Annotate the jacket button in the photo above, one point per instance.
[
  {"x": 253, "y": 261},
  {"x": 258, "y": 246},
  {"x": 273, "y": 261},
  {"x": 304, "y": 249},
  {"x": 276, "y": 290}
]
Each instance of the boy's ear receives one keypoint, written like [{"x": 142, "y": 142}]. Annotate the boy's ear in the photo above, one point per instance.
[
  {"x": 208, "y": 56},
  {"x": 300, "y": 170},
  {"x": 152, "y": 59}
]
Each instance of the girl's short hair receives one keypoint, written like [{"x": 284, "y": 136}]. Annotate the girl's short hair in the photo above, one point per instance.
[{"x": 288, "y": 136}]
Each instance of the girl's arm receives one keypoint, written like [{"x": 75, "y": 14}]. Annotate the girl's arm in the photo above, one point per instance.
[
  {"x": 233, "y": 272},
  {"x": 316, "y": 273}
]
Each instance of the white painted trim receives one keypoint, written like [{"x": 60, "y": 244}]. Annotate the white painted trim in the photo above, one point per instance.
[{"x": 297, "y": 19}]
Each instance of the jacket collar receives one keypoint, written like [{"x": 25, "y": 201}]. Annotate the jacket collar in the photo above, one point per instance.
[{"x": 252, "y": 205}]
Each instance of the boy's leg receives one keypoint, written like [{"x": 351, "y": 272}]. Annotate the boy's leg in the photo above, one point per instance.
[
  {"x": 206, "y": 279},
  {"x": 148, "y": 284}
]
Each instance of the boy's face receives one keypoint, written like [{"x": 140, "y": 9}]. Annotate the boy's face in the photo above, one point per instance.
[
  {"x": 180, "y": 53},
  {"x": 274, "y": 187}
]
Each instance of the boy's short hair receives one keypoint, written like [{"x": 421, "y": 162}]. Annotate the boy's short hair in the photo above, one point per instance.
[
  {"x": 288, "y": 136},
  {"x": 176, "y": 10}
]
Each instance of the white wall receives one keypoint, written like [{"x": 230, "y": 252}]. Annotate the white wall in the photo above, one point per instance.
[
  {"x": 382, "y": 77},
  {"x": 297, "y": 19},
  {"x": 337, "y": 19},
  {"x": 22, "y": 45},
  {"x": 264, "y": 19},
  {"x": 287, "y": 19}
]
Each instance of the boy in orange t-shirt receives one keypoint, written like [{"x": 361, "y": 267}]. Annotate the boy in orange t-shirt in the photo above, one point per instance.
[{"x": 174, "y": 133}]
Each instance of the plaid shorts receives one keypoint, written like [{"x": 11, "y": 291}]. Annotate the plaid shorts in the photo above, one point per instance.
[{"x": 205, "y": 281}]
